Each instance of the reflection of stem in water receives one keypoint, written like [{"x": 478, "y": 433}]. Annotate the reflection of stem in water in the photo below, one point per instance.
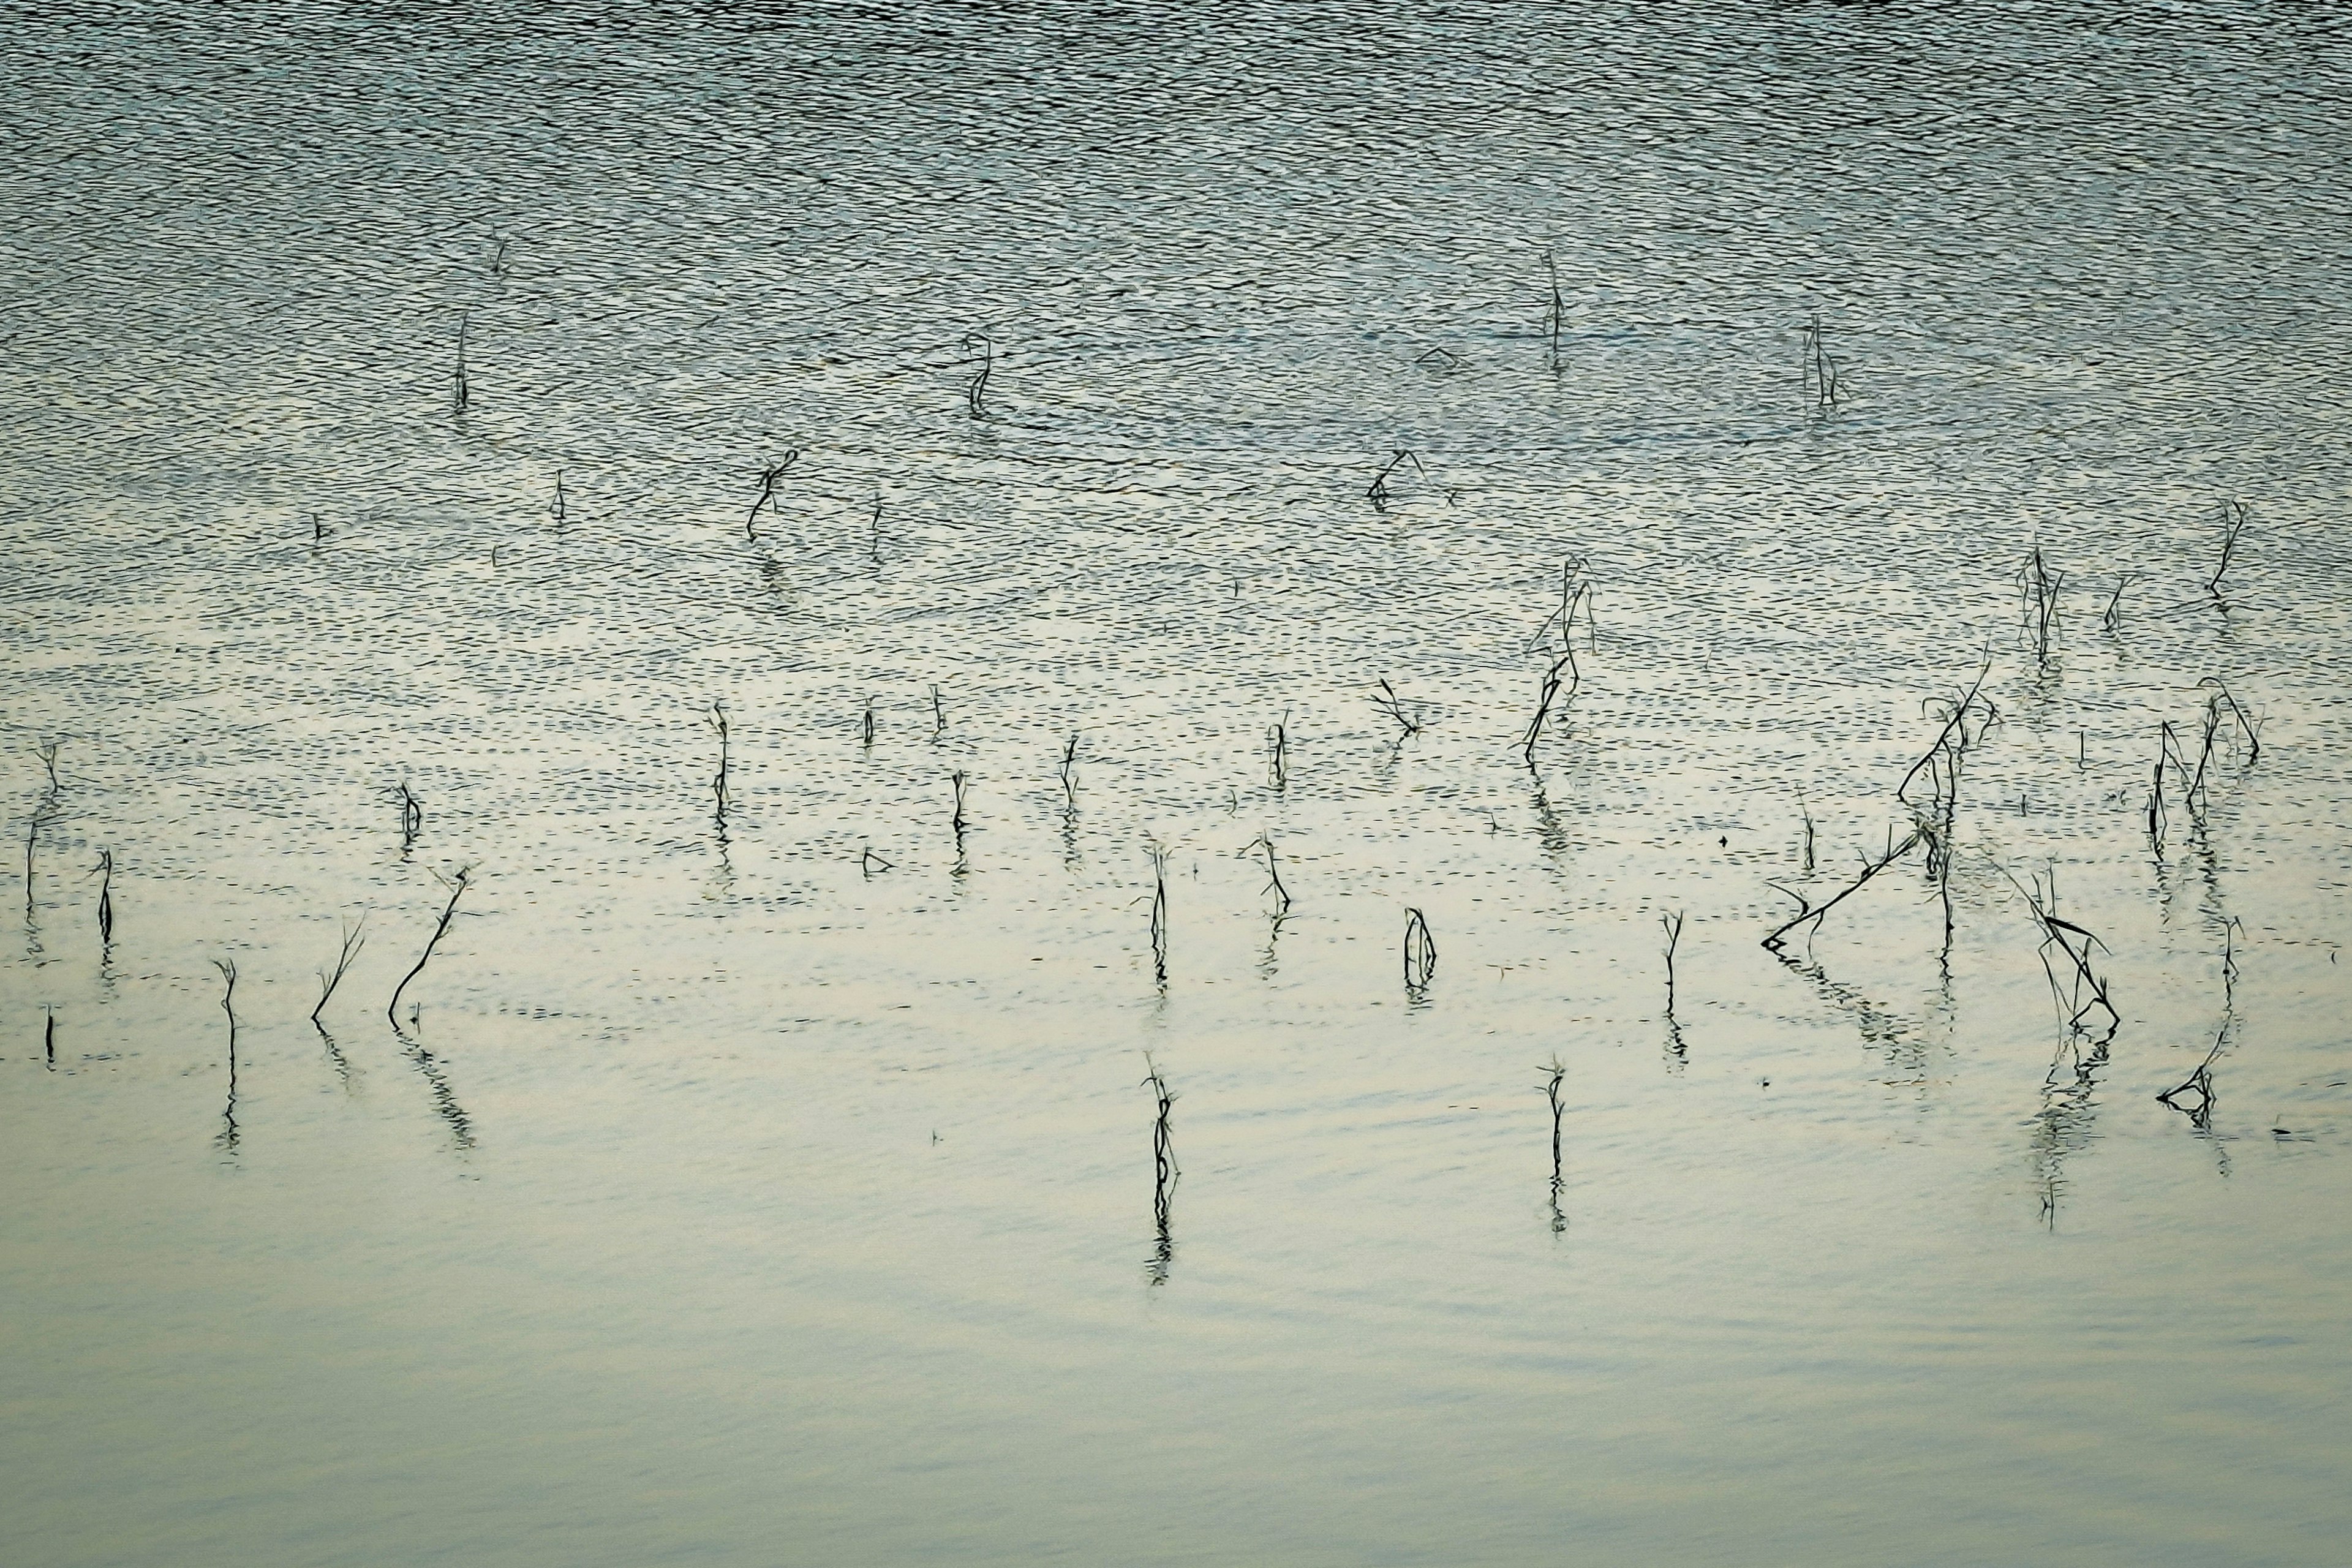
[
  {"x": 1557, "y": 1070},
  {"x": 334, "y": 1053},
  {"x": 1267, "y": 961},
  {"x": 445, "y": 1102},
  {"x": 2065, "y": 1125},
  {"x": 1899, "y": 1038},
  {"x": 227, "y": 967},
  {"x": 1164, "y": 1175}
]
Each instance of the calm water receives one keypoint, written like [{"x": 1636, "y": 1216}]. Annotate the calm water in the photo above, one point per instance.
[{"x": 772, "y": 1180}]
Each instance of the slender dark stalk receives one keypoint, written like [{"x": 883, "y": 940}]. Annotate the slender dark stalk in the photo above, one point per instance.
[
  {"x": 1160, "y": 916},
  {"x": 229, "y": 1133},
  {"x": 865, "y": 726},
  {"x": 50, "y": 1041},
  {"x": 869, "y": 862},
  {"x": 1070, "y": 773},
  {"x": 975, "y": 395},
  {"x": 1376, "y": 493},
  {"x": 1419, "y": 953},
  {"x": 1390, "y": 704},
  {"x": 959, "y": 779},
  {"x": 412, "y": 817},
  {"x": 2233, "y": 521},
  {"x": 939, "y": 714},
  {"x": 2248, "y": 730},
  {"x": 874, "y": 538},
  {"x": 1673, "y": 925},
  {"x": 2088, "y": 990},
  {"x": 461, "y": 389},
  {"x": 2040, "y": 587},
  {"x": 1555, "y": 316},
  {"x": 560, "y": 498},
  {"x": 717, "y": 720},
  {"x": 1277, "y": 757},
  {"x": 2113, "y": 619},
  {"x": 769, "y": 476},
  {"x": 1555, "y": 1072},
  {"x": 48, "y": 751},
  {"x": 2193, "y": 1096},
  {"x": 355, "y": 939},
  {"x": 1164, "y": 1173},
  {"x": 1805, "y": 813},
  {"x": 1812, "y": 913},
  {"x": 457, "y": 886},
  {"x": 1565, "y": 665},
  {"x": 1263, "y": 844},
  {"x": 1820, "y": 371}
]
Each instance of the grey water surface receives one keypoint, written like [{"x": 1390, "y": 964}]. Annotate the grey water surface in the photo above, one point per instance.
[{"x": 468, "y": 405}]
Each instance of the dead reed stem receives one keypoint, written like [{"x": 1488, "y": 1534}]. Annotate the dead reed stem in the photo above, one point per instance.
[
  {"x": 1160, "y": 916},
  {"x": 1165, "y": 1173},
  {"x": 1556, "y": 1071},
  {"x": 2233, "y": 522},
  {"x": 1419, "y": 953},
  {"x": 769, "y": 477},
  {"x": 1263, "y": 844},
  {"x": 355, "y": 939},
  {"x": 975, "y": 395},
  {"x": 457, "y": 885},
  {"x": 1407, "y": 721}
]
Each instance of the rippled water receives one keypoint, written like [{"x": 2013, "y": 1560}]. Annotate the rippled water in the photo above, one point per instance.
[{"x": 773, "y": 1179}]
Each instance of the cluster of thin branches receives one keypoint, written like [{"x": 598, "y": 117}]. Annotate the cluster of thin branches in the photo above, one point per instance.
[{"x": 2226, "y": 726}]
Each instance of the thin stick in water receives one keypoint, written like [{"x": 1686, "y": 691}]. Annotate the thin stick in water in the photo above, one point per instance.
[
  {"x": 355, "y": 939},
  {"x": 1420, "y": 953},
  {"x": 457, "y": 886}
]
